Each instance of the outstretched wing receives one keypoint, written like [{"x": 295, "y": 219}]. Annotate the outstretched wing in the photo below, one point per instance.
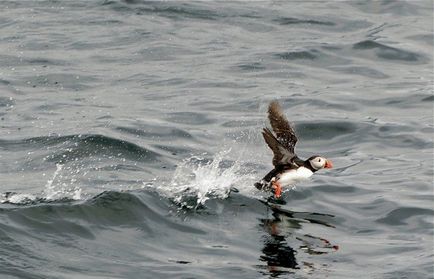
[
  {"x": 283, "y": 144},
  {"x": 284, "y": 132},
  {"x": 281, "y": 154}
]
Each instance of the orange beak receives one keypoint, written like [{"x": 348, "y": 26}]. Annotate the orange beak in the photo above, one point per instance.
[{"x": 328, "y": 164}]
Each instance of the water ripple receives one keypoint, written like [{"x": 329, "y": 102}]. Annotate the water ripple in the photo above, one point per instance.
[
  {"x": 387, "y": 52},
  {"x": 131, "y": 138}
]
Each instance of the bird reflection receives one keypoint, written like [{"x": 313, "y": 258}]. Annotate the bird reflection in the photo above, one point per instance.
[
  {"x": 282, "y": 240},
  {"x": 276, "y": 252}
]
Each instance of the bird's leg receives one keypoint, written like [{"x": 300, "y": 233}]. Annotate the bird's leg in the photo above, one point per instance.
[{"x": 277, "y": 189}]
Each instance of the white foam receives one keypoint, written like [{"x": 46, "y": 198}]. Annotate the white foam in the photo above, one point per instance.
[
  {"x": 77, "y": 194},
  {"x": 55, "y": 189},
  {"x": 18, "y": 198},
  {"x": 207, "y": 180}
]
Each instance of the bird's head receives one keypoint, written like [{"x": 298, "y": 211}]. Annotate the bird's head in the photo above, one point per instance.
[{"x": 318, "y": 162}]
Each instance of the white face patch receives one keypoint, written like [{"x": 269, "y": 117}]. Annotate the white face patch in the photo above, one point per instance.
[{"x": 318, "y": 162}]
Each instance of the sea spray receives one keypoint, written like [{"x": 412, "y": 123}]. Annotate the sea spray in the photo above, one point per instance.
[
  {"x": 50, "y": 191},
  {"x": 196, "y": 180},
  {"x": 61, "y": 189}
]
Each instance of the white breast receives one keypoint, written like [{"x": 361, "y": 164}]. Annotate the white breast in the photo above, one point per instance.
[{"x": 293, "y": 176}]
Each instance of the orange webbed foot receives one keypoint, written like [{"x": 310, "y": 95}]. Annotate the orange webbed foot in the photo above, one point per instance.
[{"x": 277, "y": 189}]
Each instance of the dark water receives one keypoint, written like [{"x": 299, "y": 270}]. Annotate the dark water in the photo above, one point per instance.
[{"x": 125, "y": 123}]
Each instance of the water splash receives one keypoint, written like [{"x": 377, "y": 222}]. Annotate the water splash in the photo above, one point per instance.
[
  {"x": 55, "y": 189},
  {"x": 197, "y": 180},
  {"x": 61, "y": 189},
  {"x": 50, "y": 191}
]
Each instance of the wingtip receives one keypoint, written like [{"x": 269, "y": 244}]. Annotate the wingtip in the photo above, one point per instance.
[
  {"x": 274, "y": 102},
  {"x": 275, "y": 112},
  {"x": 274, "y": 105}
]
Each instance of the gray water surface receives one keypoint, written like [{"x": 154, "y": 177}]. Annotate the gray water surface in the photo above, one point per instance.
[{"x": 124, "y": 124}]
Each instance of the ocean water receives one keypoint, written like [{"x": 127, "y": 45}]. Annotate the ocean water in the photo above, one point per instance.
[{"x": 125, "y": 125}]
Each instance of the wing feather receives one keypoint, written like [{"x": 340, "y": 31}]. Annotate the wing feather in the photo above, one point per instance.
[
  {"x": 283, "y": 143},
  {"x": 281, "y": 154},
  {"x": 285, "y": 134}
]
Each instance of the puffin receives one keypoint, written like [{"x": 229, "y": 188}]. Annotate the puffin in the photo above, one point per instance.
[{"x": 288, "y": 167}]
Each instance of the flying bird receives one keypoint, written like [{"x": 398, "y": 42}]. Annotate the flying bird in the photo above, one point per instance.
[{"x": 288, "y": 167}]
